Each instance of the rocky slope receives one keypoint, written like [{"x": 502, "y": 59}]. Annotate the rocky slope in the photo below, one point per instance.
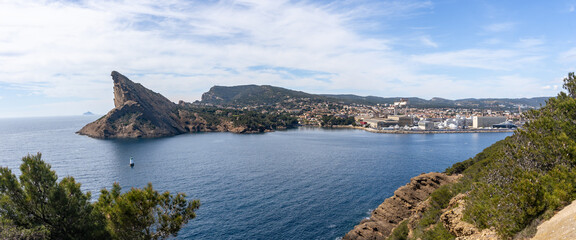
[
  {"x": 451, "y": 218},
  {"x": 142, "y": 113},
  {"x": 138, "y": 112},
  {"x": 407, "y": 201}
]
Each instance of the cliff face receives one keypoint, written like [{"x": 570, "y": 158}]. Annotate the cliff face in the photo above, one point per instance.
[
  {"x": 407, "y": 200},
  {"x": 142, "y": 113},
  {"x": 138, "y": 112}
]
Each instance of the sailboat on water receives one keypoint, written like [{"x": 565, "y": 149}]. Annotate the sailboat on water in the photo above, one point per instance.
[{"x": 131, "y": 161}]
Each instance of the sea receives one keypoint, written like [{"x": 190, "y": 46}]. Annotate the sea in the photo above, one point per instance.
[{"x": 304, "y": 183}]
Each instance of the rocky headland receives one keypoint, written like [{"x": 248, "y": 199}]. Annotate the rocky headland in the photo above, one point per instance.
[
  {"x": 138, "y": 112},
  {"x": 142, "y": 113}
]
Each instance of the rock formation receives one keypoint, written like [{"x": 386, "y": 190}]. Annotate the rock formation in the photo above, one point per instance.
[
  {"x": 452, "y": 220},
  {"x": 142, "y": 113},
  {"x": 399, "y": 207},
  {"x": 138, "y": 112}
]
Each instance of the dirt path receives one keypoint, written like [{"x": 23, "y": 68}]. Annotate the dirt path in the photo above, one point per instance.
[{"x": 560, "y": 226}]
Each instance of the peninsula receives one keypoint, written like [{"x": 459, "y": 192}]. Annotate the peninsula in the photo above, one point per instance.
[{"x": 142, "y": 113}]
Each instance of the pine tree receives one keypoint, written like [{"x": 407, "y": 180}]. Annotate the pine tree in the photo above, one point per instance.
[
  {"x": 38, "y": 202},
  {"x": 145, "y": 213}
]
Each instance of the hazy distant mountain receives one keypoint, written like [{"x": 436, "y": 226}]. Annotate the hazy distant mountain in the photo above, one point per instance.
[{"x": 255, "y": 95}]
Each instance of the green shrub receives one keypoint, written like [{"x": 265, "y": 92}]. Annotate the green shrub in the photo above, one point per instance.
[
  {"x": 438, "y": 232},
  {"x": 400, "y": 232}
]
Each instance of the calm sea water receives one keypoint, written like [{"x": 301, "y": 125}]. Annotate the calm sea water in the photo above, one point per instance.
[{"x": 307, "y": 183}]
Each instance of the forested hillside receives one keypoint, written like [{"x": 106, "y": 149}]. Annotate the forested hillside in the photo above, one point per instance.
[
  {"x": 513, "y": 185},
  {"x": 254, "y": 95}
]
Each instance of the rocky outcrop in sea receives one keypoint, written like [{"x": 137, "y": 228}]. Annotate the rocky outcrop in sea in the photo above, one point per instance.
[
  {"x": 138, "y": 112},
  {"x": 142, "y": 113}
]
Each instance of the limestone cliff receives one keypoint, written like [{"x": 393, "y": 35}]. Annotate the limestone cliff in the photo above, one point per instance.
[
  {"x": 401, "y": 206},
  {"x": 138, "y": 112},
  {"x": 142, "y": 113}
]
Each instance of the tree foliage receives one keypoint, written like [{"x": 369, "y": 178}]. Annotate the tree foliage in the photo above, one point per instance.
[
  {"x": 331, "y": 120},
  {"x": 530, "y": 174},
  {"x": 145, "y": 213},
  {"x": 38, "y": 201},
  {"x": 37, "y": 206}
]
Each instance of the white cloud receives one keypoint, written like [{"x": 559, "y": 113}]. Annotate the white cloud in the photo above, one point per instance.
[
  {"x": 504, "y": 59},
  {"x": 426, "y": 41},
  {"x": 568, "y": 56},
  {"x": 60, "y": 49},
  {"x": 493, "y": 41},
  {"x": 72, "y": 48},
  {"x": 499, "y": 27},
  {"x": 550, "y": 87},
  {"x": 527, "y": 43}
]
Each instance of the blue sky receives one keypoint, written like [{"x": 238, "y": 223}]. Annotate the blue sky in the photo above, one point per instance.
[{"x": 56, "y": 56}]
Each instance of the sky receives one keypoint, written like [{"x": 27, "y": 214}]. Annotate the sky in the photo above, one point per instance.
[{"x": 56, "y": 56}]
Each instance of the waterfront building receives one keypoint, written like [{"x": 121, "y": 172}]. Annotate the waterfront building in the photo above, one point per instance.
[
  {"x": 402, "y": 120},
  {"x": 482, "y": 122},
  {"x": 425, "y": 125}
]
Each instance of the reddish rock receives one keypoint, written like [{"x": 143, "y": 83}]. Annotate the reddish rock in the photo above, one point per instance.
[
  {"x": 399, "y": 207},
  {"x": 139, "y": 112}
]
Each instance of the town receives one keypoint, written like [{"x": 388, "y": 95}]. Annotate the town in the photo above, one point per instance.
[{"x": 399, "y": 116}]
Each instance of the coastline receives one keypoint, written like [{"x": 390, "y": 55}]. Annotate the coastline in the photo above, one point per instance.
[
  {"x": 408, "y": 201},
  {"x": 402, "y": 131}
]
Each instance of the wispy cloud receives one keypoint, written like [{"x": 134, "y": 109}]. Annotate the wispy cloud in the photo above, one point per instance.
[
  {"x": 189, "y": 38},
  {"x": 503, "y": 59},
  {"x": 569, "y": 56},
  {"x": 181, "y": 48},
  {"x": 428, "y": 42},
  {"x": 530, "y": 43},
  {"x": 499, "y": 27}
]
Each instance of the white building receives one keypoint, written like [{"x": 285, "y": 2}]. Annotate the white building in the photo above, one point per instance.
[
  {"x": 425, "y": 125},
  {"x": 482, "y": 122}
]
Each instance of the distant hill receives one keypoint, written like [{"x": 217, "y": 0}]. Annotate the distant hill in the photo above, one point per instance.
[{"x": 255, "y": 95}]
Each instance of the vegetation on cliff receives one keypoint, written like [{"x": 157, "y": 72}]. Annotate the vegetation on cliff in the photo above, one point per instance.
[
  {"x": 36, "y": 206},
  {"x": 331, "y": 120},
  {"x": 529, "y": 175},
  {"x": 517, "y": 182},
  {"x": 206, "y": 119},
  {"x": 140, "y": 113}
]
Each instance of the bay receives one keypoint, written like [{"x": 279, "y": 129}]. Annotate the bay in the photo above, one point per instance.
[{"x": 305, "y": 183}]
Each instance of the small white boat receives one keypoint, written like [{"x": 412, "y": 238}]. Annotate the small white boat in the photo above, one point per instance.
[{"x": 131, "y": 161}]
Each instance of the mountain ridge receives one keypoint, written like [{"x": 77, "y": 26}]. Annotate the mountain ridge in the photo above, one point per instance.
[{"x": 269, "y": 95}]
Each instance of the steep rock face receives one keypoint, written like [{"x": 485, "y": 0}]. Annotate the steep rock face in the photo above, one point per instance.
[
  {"x": 401, "y": 206},
  {"x": 138, "y": 112}
]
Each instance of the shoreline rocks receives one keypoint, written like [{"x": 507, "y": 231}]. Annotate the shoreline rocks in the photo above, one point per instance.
[{"x": 401, "y": 206}]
